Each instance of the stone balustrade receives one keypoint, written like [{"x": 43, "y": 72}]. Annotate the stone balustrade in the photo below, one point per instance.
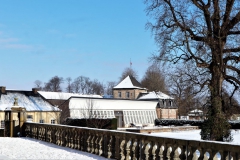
[{"x": 126, "y": 145}]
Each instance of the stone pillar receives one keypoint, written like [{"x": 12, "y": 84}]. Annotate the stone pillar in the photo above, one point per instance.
[
  {"x": 7, "y": 123},
  {"x": 12, "y": 129}
]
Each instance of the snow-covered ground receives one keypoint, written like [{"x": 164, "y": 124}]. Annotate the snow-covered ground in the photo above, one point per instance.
[
  {"x": 28, "y": 148},
  {"x": 195, "y": 135}
]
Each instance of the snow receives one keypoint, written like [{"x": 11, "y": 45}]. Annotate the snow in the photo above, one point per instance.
[
  {"x": 28, "y": 148},
  {"x": 156, "y": 95},
  {"x": 63, "y": 95},
  {"x": 29, "y": 102},
  {"x": 126, "y": 83},
  {"x": 196, "y": 111},
  {"x": 195, "y": 135}
]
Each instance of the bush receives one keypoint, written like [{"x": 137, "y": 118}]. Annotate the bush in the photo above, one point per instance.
[
  {"x": 178, "y": 122},
  {"x": 101, "y": 123},
  {"x": 181, "y": 122}
]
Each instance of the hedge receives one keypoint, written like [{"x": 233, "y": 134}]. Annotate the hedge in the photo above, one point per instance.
[{"x": 181, "y": 122}]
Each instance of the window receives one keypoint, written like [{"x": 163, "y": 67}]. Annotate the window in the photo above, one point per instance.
[
  {"x": 29, "y": 117},
  {"x": 119, "y": 94},
  {"x": 2, "y": 123},
  {"x": 41, "y": 121},
  {"x": 170, "y": 103},
  {"x": 127, "y": 95},
  {"x": 52, "y": 121}
]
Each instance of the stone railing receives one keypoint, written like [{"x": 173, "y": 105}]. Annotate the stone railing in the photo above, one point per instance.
[{"x": 127, "y": 145}]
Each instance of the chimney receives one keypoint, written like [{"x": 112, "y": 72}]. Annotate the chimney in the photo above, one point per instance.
[
  {"x": 2, "y": 90},
  {"x": 34, "y": 90}
]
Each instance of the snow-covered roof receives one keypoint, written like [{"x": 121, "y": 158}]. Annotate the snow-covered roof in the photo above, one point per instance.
[
  {"x": 196, "y": 111},
  {"x": 155, "y": 95},
  {"x": 129, "y": 82},
  {"x": 31, "y": 103},
  {"x": 63, "y": 95},
  {"x": 112, "y": 104}
]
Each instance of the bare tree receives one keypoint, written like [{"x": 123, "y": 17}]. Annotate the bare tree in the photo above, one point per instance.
[
  {"x": 69, "y": 87},
  {"x": 109, "y": 87},
  {"x": 91, "y": 113},
  {"x": 205, "y": 33},
  {"x": 38, "y": 84},
  {"x": 154, "y": 79},
  {"x": 186, "y": 93},
  {"x": 128, "y": 72},
  {"x": 97, "y": 87},
  {"x": 54, "y": 84}
]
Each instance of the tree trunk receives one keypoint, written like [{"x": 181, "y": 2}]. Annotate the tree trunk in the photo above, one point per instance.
[{"x": 216, "y": 126}]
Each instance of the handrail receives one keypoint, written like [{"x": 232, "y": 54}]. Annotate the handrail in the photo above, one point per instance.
[{"x": 127, "y": 145}]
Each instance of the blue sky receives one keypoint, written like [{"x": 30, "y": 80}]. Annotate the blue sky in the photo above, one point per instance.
[{"x": 68, "y": 38}]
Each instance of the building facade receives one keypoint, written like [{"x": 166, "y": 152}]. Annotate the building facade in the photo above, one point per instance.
[
  {"x": 129, "y": 88},
  {"x": 37, "y": 109}
]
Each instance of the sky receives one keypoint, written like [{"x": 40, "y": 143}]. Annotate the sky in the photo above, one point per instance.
[{"x": 41, "y": 39}]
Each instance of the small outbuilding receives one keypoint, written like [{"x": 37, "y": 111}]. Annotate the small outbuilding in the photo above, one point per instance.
[{"x": 37, "y": 109}]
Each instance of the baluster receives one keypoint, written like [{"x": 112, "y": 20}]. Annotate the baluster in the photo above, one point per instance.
[
  {"x": 62, "y": 137},
  {"x": 141, "y": 149},
  {"x": 66, "y": 138},
  {"x": 195, "y": 157},
  {"x": 100, "y": 151},
  {"x": 211, "y": 155},
  {"x": 169, "y": 151},
  {"x": 57, "y": 137},
  {"x": 47, "y": 135},
  {"x": 183, "y": 152},
  {"x": 135, "y": 150},
  {"x": 146, "y": 150},
  {"x": 190, "y": 152},
  {"x": 92, "y": 144},
  {"x": 201, "y": 153},
  {"x": 39, "y": 133},
  {"x": 205, "y": 156},
  {"x": 214, "y": 153},
  {"x": 122, "y": 147},
  {"x": 154, "y": 150},
  {"x": 35, "y": 132},
  {"x": 72, "y": 139},
  {"x": 45, "y": 131},
  {"x": 82, "y": 142},
  {"x": 88, "y": 143},
  {"x": 50, "y": 136},
  {"x": 31, "y": 131},
  {"x": 175, "y": 153},
  {"x": 76, "y": 142},
  {"x": 128, "y": 150},
  {"x": 96, "y": 145},
  {"x": 109, "y": 153},
  {"x": 27, "y": 130},
  {"x": 69, "y": 138},
  {"x": 163, "y": 152}
]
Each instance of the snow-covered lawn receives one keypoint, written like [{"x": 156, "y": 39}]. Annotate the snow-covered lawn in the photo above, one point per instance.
[
  {"x": 195, "y": 135},
  {"x": 28, "y": 148}
]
